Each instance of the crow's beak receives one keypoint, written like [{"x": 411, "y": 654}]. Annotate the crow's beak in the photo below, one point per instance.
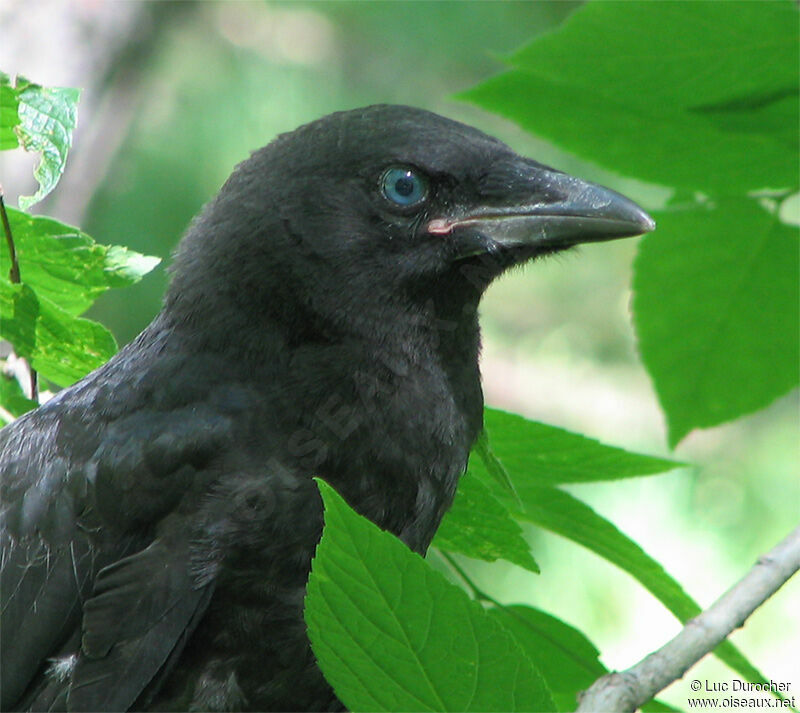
[{"x": 539, "y": 207}]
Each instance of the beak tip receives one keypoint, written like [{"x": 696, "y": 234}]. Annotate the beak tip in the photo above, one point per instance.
[
  {"x": 647, "y": 223},
  {"x": 625, "y": 210}
]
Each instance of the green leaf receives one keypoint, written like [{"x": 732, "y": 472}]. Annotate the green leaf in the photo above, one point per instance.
[
  {"x": 560, "y": 512},
  {"x": 656, "y": 706},
  {"x": 716, "y": 311},
  {"x": 765, "y": 35},
  {"x": 772, "y": 114},
  {"x": 64, "y": 265},
  {"x": 565, "y": 515},
  {"x": 548, "y": 455},
  {"x": 47, "y": 117},
  {"x": 390, "y": 633},
  {"x": 19, "y": 310},
  {"x": 494, "y": 467},
  {"x": 123, "y": 266},
  {"x": 61, "y": 347},
  {"x": 567, "y": 660},
  {"x": 9, "y": 117},
  {"x": 479, "y": 526},
  {"x": 12, "y": 399},
  {"x": 664, "y": 91}
]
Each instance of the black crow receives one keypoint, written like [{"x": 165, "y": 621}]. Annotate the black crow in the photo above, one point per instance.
[{"x": 159, "y": 517}]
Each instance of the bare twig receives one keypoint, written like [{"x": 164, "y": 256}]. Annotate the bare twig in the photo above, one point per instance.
[
  {"x": 625, "y": 691},
  {"x": 14, "y": 277},
  {"x": 478, "y": 593},
  {"x": 13, "y": 273}
]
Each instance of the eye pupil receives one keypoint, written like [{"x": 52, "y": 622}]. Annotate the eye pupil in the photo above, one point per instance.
[{"x": 404, "y": 186}]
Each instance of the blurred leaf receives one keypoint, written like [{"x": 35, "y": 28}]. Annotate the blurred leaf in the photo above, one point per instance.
[
  {"x": 390, "y": 633},
  {"x": 66, "y": 266},
  {"x": 12, "y": 398},
  {"x": 548, "y": 455},
  {"x": 667, "y": 92},
  {"x": 727, "y": 341},
  {"x": 61, "y": 347},
  {"x": 47, "y": 118},
  {"x": 9, "y": 117},
  {"x": 567, "y": 660},
  {"x": 479, "y": 526}
]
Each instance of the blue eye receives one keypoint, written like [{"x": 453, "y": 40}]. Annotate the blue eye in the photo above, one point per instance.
[{"x": 403, "y": 186}]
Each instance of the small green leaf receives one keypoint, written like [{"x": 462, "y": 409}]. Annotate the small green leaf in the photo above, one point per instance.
[
  {"x": 479, "y": 526},
  {"x": 548, "y": 455},
  {"x": 567, "y": 660},
  {"x": 125, "y": 267},
  {"x": 47, "y": 117},
  {"x": 717, "y": 312},
  {"x": 65, "y": 265},
  {"x": 390, "y": 633},
  {"x": 61, "y": 347}
]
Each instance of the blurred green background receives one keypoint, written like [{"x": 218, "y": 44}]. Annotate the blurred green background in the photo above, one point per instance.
[{"x": 177, "y": 93}]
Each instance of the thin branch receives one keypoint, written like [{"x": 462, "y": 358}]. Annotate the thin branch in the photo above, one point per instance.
[
  {"x": 14, "y": 277},
  {"x": 478, "y": 593},
  {"x": 13, "y": 273},
  {"x": 34, "y": 385},
  {"x": 625, "y": 691}
]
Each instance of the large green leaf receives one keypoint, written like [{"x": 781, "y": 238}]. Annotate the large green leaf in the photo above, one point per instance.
[
  {"x": 720, "y": 47},
  {"x": 548, "y": 455},
  {"x": 390, "y": 633},
  {"x": 567, "y": 660},
  {"x": 479, "y": 526},
  {"x": 61, "y": 347},
  {"x": 664, "y": 91},
  {"x": 717, "y": 312},
  {"x": 46, "y": 118},
  {"x": 65, "y": 265}
]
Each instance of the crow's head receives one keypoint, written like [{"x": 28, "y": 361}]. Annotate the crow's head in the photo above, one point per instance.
[{"x": 386, "y": 205}]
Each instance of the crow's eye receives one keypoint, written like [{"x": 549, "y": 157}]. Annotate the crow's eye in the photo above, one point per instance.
[{"x": 403, "y": 185}]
